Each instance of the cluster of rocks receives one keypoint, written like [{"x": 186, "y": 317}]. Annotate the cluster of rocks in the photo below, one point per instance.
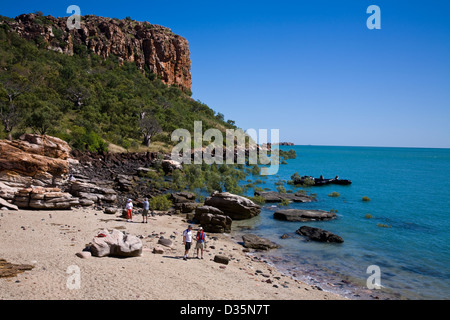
[
  {"x": 32, "y": 173},
  {"x": 315, "y": 234},
  {"x": 221, "y": 208},
  {"x": 184, "y": 202},
  {"x": 44, "y": 198},
  {"x": 213, "y": 219},
  {"x": 90, "y": 194}
]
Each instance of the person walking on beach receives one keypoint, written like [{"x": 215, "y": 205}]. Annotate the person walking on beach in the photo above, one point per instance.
[
  {"x": 201, "y": 237},
  {"x": 146, "y": 206},
  {"x": 129, "y": 208},
  {"x": 187, "y": 239}
]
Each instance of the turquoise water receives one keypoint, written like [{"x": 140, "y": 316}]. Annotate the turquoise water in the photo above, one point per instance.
[{"x": 409, "y": 191}]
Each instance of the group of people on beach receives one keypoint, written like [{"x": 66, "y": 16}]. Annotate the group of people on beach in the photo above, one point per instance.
[
  {"x": 145, "y": 205},
  {"x": 187, "y": 234}
]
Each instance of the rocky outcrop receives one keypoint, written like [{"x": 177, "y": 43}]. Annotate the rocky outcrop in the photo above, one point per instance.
[
  {"x": 115, "y": 244},
  {"x": 44, "y": 199},
  {"x": 33, "y": 160},
  {"x": 317, "y": 234},
  {"x": 272, "y": 196},
  {"x": 234, "y": 206},
  {"x": 303, "y": 215},
  {"x": 150, "y": 46},
  {"x": 33, "y": 170},
  {"x": 213, "y": 220},
  {"x": 90, "y": 193}
]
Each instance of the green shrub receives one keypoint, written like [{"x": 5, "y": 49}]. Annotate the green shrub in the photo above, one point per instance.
[
  {"x": 365, "y": 199},
  {"x": 160, "y": 203},
  {"x": 368, "y": 216},
  {"x": 382, "y": 225},
  {"x": 334, "y": 194},
  {"x": 258, "y": 200}
]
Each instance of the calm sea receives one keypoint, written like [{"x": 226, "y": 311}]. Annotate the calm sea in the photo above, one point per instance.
[{"x": 407, "y": 236}]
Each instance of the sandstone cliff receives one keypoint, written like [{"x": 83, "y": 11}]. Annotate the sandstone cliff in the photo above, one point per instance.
[{"x": 155, "y": 47}]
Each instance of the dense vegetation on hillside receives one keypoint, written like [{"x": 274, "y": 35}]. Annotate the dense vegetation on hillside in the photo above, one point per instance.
[{"x": 90, "y": 101}]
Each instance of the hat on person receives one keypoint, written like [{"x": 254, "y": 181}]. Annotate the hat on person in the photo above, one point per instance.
[
  {"x": 200, "y": 228},
  {"x": 128, "y": 200}
]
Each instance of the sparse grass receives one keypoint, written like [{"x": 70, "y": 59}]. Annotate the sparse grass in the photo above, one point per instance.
[{"x": 382, "y": 225}]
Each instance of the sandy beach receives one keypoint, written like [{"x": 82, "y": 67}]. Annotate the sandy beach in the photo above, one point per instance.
[{"x": 49, "y": 240}]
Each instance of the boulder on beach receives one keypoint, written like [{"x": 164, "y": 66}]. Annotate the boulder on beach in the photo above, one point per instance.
[
  {"x": 318, "y": 234},
  {"x": 116, "y": 244},
  {"x": 303, "y": 215},
  {"x": 234, "y": 206},
  {"x": 213, "y": 219},
  {"x": 165, "y": 242},
  {"x": 253, "y": 241},
  {"x": 221, "y": 259},
  {"x": 272, "y": 196}
]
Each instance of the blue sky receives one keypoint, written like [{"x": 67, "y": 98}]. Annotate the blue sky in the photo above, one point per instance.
[{"x": 311, "y": 69}]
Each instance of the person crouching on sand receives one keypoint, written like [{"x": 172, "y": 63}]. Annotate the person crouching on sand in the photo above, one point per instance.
[
  {"x": 129, "y": 208},
  {"x": 201, "y": 237}
]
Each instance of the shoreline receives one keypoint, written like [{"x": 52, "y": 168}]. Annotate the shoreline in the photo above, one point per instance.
[{"x": 49, "y": 240}]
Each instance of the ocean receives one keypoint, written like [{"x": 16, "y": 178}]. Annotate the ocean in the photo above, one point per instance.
[{"x": 403, "y": 230}]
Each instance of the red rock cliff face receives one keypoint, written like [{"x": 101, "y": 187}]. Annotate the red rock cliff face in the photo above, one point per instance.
[{"x": 158, "y": 48}]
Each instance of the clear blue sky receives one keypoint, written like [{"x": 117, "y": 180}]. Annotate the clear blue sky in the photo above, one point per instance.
[{"x": 309, "y": 68}]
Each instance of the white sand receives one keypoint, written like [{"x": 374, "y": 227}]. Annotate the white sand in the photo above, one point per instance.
[{"x": 51, "y": 244}]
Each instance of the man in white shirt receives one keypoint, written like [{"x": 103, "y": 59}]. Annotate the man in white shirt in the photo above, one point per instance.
[{"x": 187, "y": 240}]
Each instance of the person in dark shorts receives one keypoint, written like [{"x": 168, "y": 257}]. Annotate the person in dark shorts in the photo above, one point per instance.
[
  {"x": 187, "y": 240},
  {"x": 146, "y": 207}
]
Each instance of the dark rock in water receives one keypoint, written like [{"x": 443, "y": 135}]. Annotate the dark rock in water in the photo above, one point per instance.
[
  {"x": 303, "y": 215},
  {"x": 317, "y": 234},
  {"x": 311, "y": 181},
  {"x": 254, "y": 242},
  {"x": 234, "y": 206},
  {"x": 272, "y": 196}
]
